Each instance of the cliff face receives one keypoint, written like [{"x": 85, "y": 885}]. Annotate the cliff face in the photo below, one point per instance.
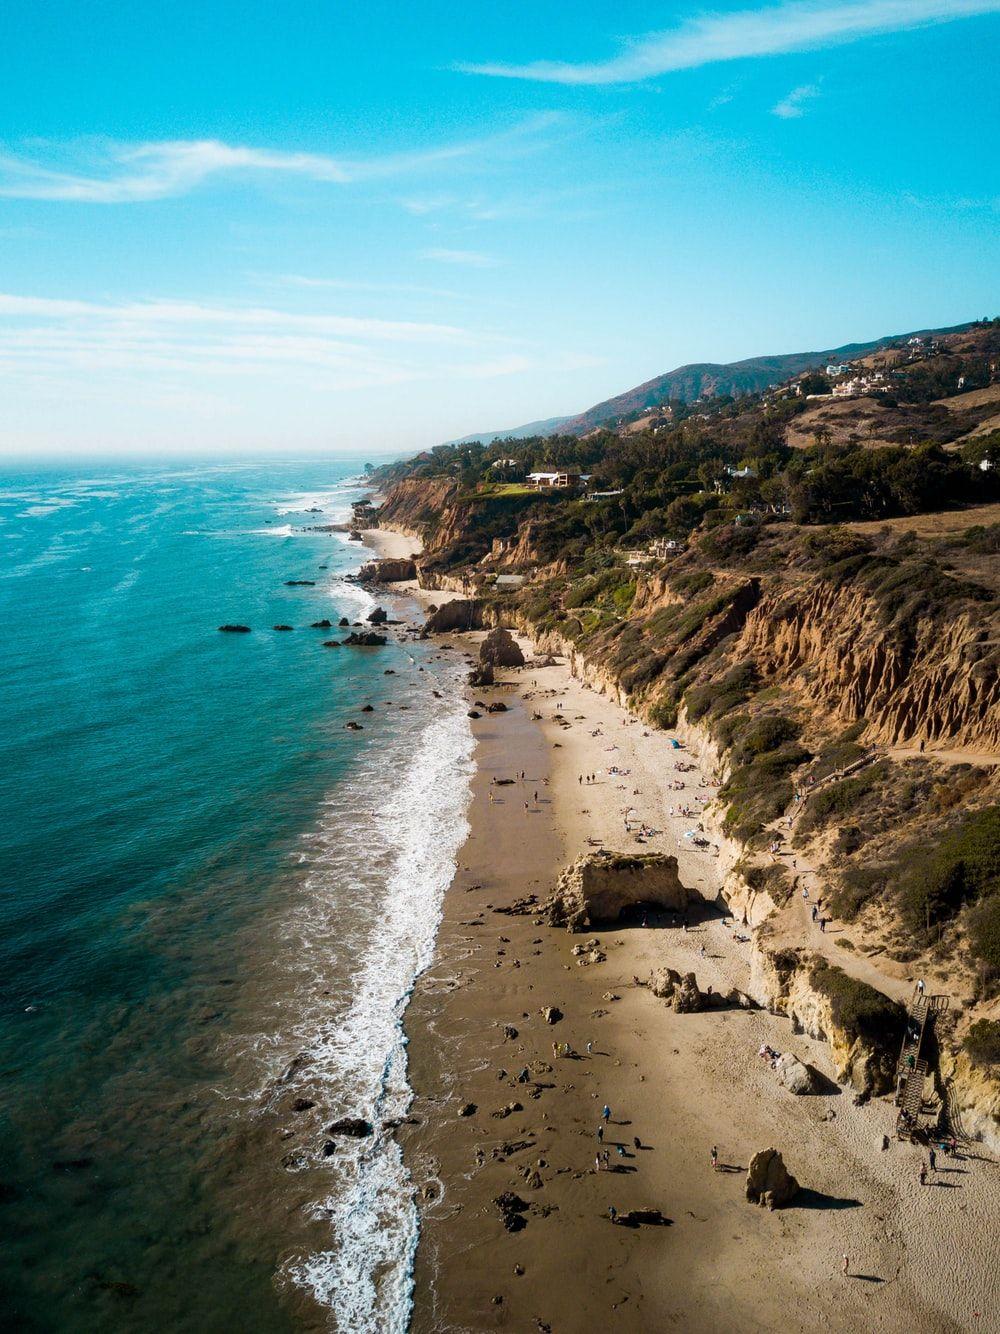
[
  {"x": 785, "y": 981},
  {"x": 419, "y": 507},
  {"x": 830, "y": 646}
]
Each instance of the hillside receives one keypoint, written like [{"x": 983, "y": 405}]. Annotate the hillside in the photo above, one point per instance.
[
  {"x": 820, "y": 617},
  {"x": 688, "y": 383}
]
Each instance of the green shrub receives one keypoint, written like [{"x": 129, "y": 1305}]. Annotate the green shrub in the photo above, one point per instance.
[
  {"x": 691, "y": 584},
  {"x": 858, "y": 1008},
  {"x": 759, "y": 792},
  {"x": 982, "y": 1042},
  {"x": 840, "y": 799},
  {"x": 963, "y": 868},
  {"x": 663, "y": 714},
  {"x": 764, "y": 735},
  {"x": 984, "y": 935},
  {"x": 858, "y": 886},
  {"x": 771, "y": 878}
]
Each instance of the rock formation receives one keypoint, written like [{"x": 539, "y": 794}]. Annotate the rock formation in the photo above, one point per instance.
[
  {"x": 798, "y": 1077},
  {"x": 377, "y": 617},
  {"x": 460, "y": 614},
  {"x": 769, "y": 1182},
  {"x": 387, "y": 571},
  {"x": 366, "y": 639},
  {"x": 500, "y": 649},
  {"x": 600, "y": 886},
  {"x": 235, "y": 629}
]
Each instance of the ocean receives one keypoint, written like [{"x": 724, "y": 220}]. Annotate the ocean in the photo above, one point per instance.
[{"x": 214, "y": 900}]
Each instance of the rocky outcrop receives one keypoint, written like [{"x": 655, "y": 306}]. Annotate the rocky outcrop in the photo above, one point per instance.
[
  {"x": 798, "y": 1077},
  {"x": 459, "y": 614},
  {"x": 388, "y": 571},
  {"x": 769, "y": 1182},
  {"x": 862, "y": 1026},
  {"x": 500, "y": 649},
  {"x": 972, "y": 1096},
  {"x": 937, "y": 683},
  {"x": 365, "y": 639},
  {"x": 377, "y": 616},
  {"x": 599, "y": 886}
]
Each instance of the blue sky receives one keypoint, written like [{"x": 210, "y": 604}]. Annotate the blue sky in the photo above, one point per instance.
[{"x": 262, "y": 228}]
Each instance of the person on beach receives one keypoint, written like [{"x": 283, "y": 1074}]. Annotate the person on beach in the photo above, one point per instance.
[
  {"x": 590, "y": 1049},
  {"x": 844, "y": 1264},
  {"x": 606, "y": 1112},
  {"x": 923, "y": 1174},
  {"x": 600, "y": 1133},
  {"x": 597, "y": 1162},
  {"x": 612, "y": 1213},
  {"x": 715, "y": 1157},
  {"x": 932, "y": 1159}
]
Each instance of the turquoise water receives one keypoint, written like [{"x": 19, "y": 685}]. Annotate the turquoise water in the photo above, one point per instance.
[{"x": 213, "y": 900}]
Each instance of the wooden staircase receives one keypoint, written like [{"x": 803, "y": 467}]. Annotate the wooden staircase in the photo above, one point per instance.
[{"x": 911, "y": 1072}]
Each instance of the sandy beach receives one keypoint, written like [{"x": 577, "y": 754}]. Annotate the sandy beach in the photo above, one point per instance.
[{"x": 677, "y": 1085}]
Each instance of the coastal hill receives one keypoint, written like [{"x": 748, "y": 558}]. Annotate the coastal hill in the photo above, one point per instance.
[
  {"x": 803, "y": 584},
  {"x": 688, "y": 383}
]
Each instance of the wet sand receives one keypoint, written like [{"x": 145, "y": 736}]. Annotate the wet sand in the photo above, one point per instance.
[{"x": 920, "y": 1259}]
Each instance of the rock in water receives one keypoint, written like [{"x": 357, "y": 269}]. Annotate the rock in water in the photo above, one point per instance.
[
  {"x": 500, "y": 649},
  {"x": 600, "y": 886},
  {"x": 769, "y": 1182},
  {"x": 354, "y": 1126},
  {"x": 798, "y": 1077},
  {"x": 366, "y": 639},
  {"x": 235, "y": 629}
]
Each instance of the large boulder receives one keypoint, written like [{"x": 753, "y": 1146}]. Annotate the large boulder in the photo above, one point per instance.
[
  {"x": 798, "y": 1077},
  {"x": 482, "y": 675},
  {"x": 388, "y": 571},
  {"x": 599, "y": 886},
  {"x": 500, "y": 649},
  {"x": 366, "y": 639},
  {"x": 769, "y": 1182},
  {"x": 459, "y": 614},
  {"x": 378, "y": 616},
  {"x": 687, "y": 999}
]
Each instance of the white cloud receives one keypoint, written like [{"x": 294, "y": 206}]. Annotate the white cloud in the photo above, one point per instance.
[
  {"x": 110, "y": 173},
  {"x": 789, "y": 27},
  {"x": 161, "y": 313},
  {"x": 470, "y": 259},
  {"x": 53, "y": 345},
  {"x": 792, "y": 106}
]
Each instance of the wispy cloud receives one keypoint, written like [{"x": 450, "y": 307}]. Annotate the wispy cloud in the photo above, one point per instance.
[
  {"x": 54, "y": 341},
  {"x": 793, "y": 106},
  {"x": 102, "y": 172},
  {"x": 470, "y": 259},
  {"x": 763, "y": 32}
]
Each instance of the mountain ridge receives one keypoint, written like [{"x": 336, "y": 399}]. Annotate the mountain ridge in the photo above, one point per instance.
[{"x": 692, "y": 380}]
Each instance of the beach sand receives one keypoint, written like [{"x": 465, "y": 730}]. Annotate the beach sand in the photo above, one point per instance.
[{"x": 920, "y": 1259}]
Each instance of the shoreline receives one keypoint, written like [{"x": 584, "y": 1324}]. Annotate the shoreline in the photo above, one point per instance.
[{"x": 680, "y": 1083}]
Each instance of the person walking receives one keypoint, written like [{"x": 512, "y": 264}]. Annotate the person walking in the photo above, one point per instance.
[
  {"x": 612, "y": 1213},
  {"x": 590, "y": 1049},
  {"x": 923, "y": 1174},
  {"x": 932, "y": 1159},
  {"x": 606, "y": 1112},
  {"x": 920, "y": 986},
  {"x": 844, "y": 1264},
  {"x": 600, "y": 1133},
  {"x": 597, "y": 1162},
  {"x": 715, "y": 1157}
]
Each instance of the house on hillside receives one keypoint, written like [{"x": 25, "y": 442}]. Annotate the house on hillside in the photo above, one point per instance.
[{"x": 565, "y": 477}]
